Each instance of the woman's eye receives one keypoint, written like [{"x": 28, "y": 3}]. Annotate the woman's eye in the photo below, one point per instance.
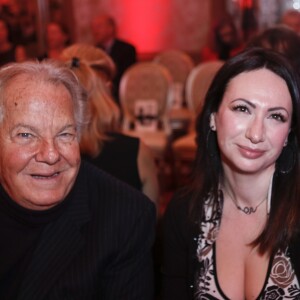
[
  {"x": 241, "y": 108},
  {"x": 279, "y": 117}
]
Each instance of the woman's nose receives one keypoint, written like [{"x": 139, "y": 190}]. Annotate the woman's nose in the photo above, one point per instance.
[
  {"x": 48, "y": 152},
  {"x": 256, "y": 131}
]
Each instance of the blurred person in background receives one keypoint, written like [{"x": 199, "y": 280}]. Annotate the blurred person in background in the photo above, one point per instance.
[
  {"x": 291, "y": 18},
  {"x": 102, "y": 142},
  {"x": 9, "y": 52},
  {"x": 56, "y": 40},
  {"x": 281, "y": 39},
  {"x": 104, "y": 30},
  {"x": 224, "y": 41}
]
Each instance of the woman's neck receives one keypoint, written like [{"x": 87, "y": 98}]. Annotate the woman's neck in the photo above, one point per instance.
[{"x": 247, "y": 189}]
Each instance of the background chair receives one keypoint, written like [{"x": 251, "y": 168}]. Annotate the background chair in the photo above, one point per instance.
[
  {"x": 198, "y": 83},
  {"x": 184, "y": 148},
  {"x": 179, "y": 64},
  {"x": 146, "y": 82}
]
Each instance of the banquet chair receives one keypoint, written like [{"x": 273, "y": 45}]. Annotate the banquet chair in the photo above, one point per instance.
[
  {"x": 179, "y": 65},
  {"x": 198, "y": 82},
  {"x": 177, "y": 62},
  {"x": 143, "y": 86}
]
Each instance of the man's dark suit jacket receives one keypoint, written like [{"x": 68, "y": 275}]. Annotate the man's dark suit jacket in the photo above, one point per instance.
[
  {"x": 100, "y": 248},
  {"x": 124, "y": 55}
]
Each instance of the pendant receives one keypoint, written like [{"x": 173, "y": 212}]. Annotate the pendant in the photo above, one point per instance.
[{"x": 247, "y": 210}]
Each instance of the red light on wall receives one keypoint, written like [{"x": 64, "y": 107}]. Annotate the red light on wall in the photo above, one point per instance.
[
  {"x": 246, "y": 3},
  {"x": 144, "y": 22}
]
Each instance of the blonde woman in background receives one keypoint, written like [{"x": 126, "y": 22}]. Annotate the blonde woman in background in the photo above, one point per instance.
[{"x": 102, "y": 143}]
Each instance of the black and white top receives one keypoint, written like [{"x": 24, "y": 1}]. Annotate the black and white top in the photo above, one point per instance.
[{"x": 280, "y": 283}]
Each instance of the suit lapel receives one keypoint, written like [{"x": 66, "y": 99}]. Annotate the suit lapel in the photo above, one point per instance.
[{"x": 59, "y": 244}]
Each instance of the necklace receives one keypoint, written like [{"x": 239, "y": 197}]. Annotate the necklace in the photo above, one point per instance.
[{"x": 248, "y": 210}]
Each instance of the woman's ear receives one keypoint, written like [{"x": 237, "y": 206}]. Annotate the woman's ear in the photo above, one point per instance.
[{"x": 212, "y": 122}]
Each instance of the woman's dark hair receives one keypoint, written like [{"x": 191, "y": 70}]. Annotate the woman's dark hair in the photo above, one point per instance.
[{"x": 285, "y": 209}]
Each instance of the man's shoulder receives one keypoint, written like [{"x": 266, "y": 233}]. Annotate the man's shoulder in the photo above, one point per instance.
[
  {"x": 105, "y": 188},
  {"x": 123, "y": 44}
]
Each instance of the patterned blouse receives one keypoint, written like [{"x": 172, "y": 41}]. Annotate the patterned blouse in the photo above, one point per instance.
[{"x": 281, "y": 281}]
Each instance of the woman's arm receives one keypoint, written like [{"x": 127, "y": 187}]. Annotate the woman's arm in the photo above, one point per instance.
[
  {"x": 176, "y": 253},
  {"x": 148, "y": 173}
]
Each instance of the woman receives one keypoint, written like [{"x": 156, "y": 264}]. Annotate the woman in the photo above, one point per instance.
[
  {"x": 232, "y": 233},
  {"x": 224, "y": 41},
  {"x": 8, "y": 51},
  {"x": 56, "y": 40},
  {"x": 125, "y": 157}
]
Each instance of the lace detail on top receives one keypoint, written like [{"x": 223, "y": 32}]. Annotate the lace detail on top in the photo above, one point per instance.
[{"x": 281, "y": 282}]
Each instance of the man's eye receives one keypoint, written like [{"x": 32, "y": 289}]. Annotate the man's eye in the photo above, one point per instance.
[
  {"x": 25, "y": 135},
  {"x": 67, "y": 136}
]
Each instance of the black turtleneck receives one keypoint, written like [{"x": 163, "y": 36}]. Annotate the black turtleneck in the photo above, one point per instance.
[{"x": 20, "y": 229}]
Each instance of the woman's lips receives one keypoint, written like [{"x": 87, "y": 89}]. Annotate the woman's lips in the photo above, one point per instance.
[{"x": 250, "y": 152}]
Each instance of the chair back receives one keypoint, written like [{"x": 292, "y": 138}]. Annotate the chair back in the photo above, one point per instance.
[
  {"x": 177, "y": 62},
  {"x": 144, "y": 81},
  {"x": 198, "y": 83}
]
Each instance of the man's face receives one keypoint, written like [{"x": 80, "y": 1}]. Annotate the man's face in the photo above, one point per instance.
[
  {"x": 102, "y": 30},
  {"x": 39, "y": 149}
]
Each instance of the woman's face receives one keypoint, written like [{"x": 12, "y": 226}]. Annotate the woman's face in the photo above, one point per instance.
[
  {"x": 56, "y": 38},
  {"x": 3, "y": 32},
  {"x": 227, "y": 35},
  {"x": 253, "y": 121}
]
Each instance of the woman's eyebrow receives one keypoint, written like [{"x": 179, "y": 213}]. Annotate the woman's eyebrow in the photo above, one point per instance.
[{"x": 254, "y": 106}]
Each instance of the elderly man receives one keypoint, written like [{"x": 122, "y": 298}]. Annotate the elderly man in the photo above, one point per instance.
[
  {"x": 68, "y": 230},
  {"x": 123, "y": 53}
]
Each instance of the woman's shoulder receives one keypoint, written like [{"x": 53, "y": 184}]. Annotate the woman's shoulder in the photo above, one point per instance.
[
  {"x": 294, "y": 249},
  {"x": 178, "y": 209},
  {"x": 180, "y": 199}
]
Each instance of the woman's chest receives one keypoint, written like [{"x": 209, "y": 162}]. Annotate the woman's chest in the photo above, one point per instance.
[{"x": 229, "y": 268}]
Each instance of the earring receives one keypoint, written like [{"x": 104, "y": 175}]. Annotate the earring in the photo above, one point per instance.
[
  {"x": 213, "y": 152},
  {"x": 212, "y": 123},
  {"x": 211, "y": 142},
  {"x": 287, "y": 159}
]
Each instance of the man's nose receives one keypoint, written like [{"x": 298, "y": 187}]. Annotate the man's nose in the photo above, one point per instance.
[{"x": 48, "y": 152}]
